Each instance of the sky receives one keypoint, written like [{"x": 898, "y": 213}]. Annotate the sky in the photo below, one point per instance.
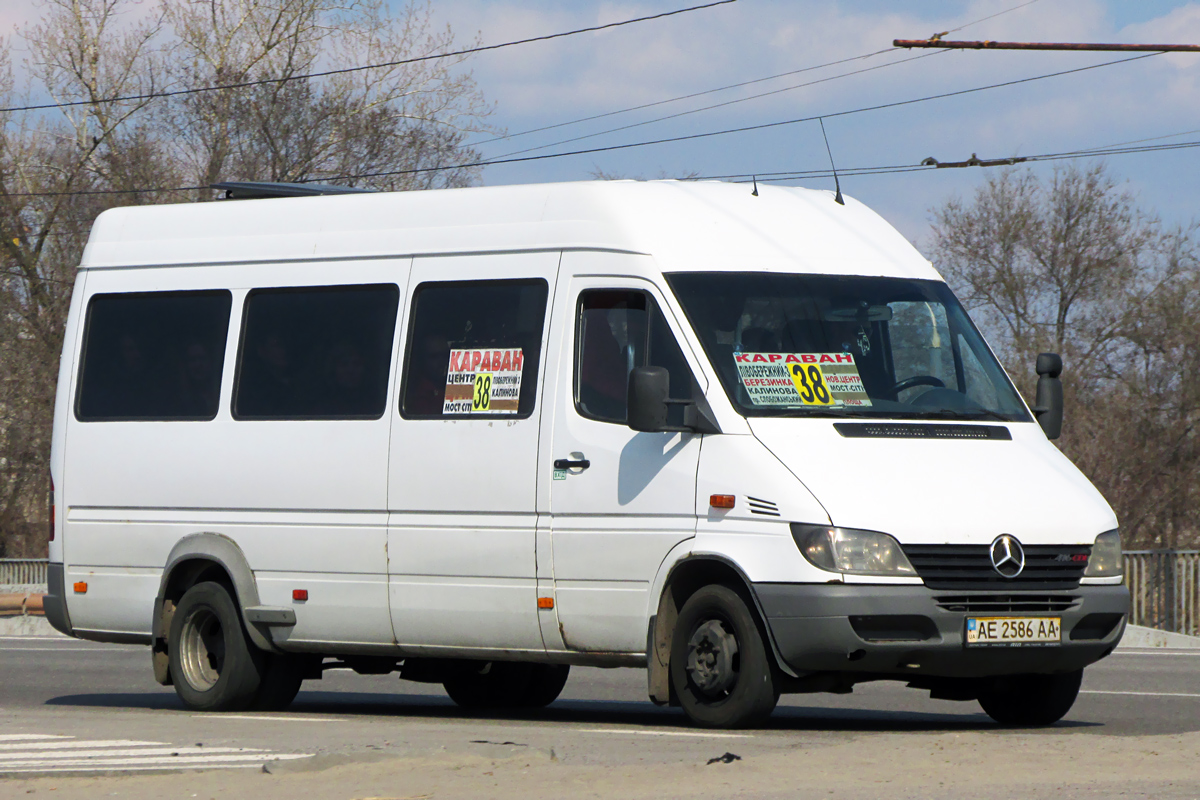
[{"x": 549, "y": 83}]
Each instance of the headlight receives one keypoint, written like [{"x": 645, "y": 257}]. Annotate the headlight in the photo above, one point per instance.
[
  {"x": 1105, "y": 561},
  {"x": 853, "y": 551}
]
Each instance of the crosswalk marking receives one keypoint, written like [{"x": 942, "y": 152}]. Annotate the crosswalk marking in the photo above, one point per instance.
[
  {"x": 41, "y": 753},
  {"x": 71, "y": 744}
]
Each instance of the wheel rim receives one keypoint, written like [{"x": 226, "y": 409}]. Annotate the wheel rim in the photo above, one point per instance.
[
  {"x": 202, "y": 649},
  {"x": 712, "y": 659}
]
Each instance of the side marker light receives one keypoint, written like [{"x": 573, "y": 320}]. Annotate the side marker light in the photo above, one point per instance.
[
  {"x": 545, "y": 602},
  {"x": 300, "y": 594},
  {"x": 722, "y": 500},
  {"x": 80, "y": 587}
]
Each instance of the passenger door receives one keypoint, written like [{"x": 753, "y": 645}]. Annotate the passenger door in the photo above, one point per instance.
[
  {"x": 619, "y": 499},
  {"x": 463, "y": 470}
]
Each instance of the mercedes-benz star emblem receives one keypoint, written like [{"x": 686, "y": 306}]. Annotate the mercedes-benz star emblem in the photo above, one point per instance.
[{"x": 1008, "y": 557}]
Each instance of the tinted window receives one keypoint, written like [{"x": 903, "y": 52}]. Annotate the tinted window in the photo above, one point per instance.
[
  {"x": 473, "y": 349},
  {"x": 320, "y": 353},
  {"x": 153, "y": 356},
  {"x": 617, "y": 331}
]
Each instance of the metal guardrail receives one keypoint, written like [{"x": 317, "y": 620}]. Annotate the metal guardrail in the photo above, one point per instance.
[
  {"x": 1164, "y": 588},
  {"x": 23, "y": 571}
]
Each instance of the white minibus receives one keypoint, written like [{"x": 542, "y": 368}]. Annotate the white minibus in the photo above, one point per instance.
[{"x": 748, "y": 441}]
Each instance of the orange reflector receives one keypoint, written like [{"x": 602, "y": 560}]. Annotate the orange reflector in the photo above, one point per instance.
[
  {"x": 545, "y": 602},
  {"x": 299, "y": 594},
  {"x": 722, "y": 500},
  {"x": 81, "y": 587}
]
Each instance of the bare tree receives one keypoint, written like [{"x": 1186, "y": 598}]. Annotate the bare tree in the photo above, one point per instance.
[
  {"x": 1074, "y": 266},
  {"x": 383, "y": 127}
]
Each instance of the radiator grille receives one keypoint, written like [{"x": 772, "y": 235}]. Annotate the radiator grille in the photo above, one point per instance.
[
  {"x": 969, "y": 566},
  {"x": 1007, "y": 603}
]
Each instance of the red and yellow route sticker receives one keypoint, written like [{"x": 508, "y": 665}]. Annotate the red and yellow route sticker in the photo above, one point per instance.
[
  {"x": 801, "y": 379},
  {"x": 483, "y": 382}
]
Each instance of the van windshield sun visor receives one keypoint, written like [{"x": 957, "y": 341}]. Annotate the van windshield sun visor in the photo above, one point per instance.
[{"x": 846, "y": 346}]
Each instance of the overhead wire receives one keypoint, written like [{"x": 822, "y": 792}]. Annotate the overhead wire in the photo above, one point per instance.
[
  {"x": 360, "y": 68},
  {"x": 647, "y": 143},
  {"x": 739, "y": 85},
  {"x": 682, "y": 97},
  {"x": 735, "y": 101},
  {"x": 768, "y": 177},
  {"x": 748, "y": 128}
]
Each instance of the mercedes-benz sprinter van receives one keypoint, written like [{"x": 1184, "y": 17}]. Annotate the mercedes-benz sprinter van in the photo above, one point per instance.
[{"x": 750, "y": 442}]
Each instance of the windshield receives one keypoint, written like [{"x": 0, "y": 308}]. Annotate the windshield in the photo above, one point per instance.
[{"x": 826, "y": 345}]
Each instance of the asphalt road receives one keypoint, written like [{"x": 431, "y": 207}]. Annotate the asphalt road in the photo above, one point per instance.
[{"x": 70, "y": 709}]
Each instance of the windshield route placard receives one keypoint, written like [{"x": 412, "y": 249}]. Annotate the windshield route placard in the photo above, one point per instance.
[{"x": 828, "y": 380}]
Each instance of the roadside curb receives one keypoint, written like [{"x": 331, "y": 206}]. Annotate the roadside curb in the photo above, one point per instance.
[{"x": 1137, "y": 636}]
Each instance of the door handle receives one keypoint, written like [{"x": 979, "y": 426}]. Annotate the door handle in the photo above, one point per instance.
[{"x": 566, "y": 463}]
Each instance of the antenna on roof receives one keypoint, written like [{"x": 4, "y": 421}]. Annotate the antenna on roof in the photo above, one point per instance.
[
  {"x": 837, "y": 198},
  {"x": 755, "y": 179},
  {"x": 251, "y": 190}
]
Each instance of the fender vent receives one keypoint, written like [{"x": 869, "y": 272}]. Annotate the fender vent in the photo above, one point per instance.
[
  {"x": 764, "y": 507},
  {"x": 891, "y": 430}
]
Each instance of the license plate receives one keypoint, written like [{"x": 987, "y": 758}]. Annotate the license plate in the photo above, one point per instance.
[{"x": 1013, "y": 630}]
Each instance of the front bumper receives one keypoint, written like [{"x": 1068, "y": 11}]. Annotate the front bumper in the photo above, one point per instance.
[{"x": 897, "y": 630}]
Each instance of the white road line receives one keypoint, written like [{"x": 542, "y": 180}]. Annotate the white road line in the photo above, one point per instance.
[
  {"x": 1142, "y": 694},
  {"x": 69, "y": 649},
  {"x": 181, "y": 761},
  {"x": 267, "y": 718},
  {"x": 77, "y": 743},
  {"x": 665, "y": 733},
  {"x": 151, "y": 768},
  {"x": 1157, "y": 652},
  {"x": 28, "y": 753},
  {"x": 25, "y": 755}
]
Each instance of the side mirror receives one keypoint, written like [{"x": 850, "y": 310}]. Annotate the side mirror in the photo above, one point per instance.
[
  {"x": 1048, "y": 406},
  {"x": 649, "y": 388}
]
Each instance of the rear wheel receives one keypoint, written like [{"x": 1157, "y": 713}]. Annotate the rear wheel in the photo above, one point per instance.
[
  {"x": 1031, "y": 700},
  {"x": 546, "y": 683},
  {"x": 720, "y": 669},
  {"x": 214, "y": 665},
  {"x": 489, "y": 684}
]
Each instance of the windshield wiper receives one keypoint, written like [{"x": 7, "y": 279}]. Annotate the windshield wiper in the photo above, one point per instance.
[
  {"x": 822, "y": 413},
  {"x": 982, "y": 413}
]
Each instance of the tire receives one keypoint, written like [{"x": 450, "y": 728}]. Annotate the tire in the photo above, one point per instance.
[
  {"x": 720, "y": 669},
  {"x": 213, "y": 663},
  {"x": 1031, "y": 700},
  {"x": 280, "y": 684},
  {"x": 490, "y": 684},
  {"x": 546, "y": 683}
]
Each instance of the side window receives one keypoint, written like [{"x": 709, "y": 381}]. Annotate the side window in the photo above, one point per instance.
[
  {"x": 316, "y": 353},
  {"x": 473, "y": 349},
  {"x": 153, "y": 356},
  {"x": 618, "y": 330}
]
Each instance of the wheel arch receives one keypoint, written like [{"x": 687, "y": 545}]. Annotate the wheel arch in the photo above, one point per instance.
[
  {"x": 194, "y": 558},
  {"x": 682, "y": 580}
]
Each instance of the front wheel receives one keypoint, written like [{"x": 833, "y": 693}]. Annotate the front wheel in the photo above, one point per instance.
[
  {"x": 1031, "y": 700},
  {"x": 214, "y": 665},
  {"x": 720, "y": 669}
]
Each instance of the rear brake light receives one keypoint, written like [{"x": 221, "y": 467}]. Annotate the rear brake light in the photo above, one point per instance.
[{"x": 52, "y": 508}]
